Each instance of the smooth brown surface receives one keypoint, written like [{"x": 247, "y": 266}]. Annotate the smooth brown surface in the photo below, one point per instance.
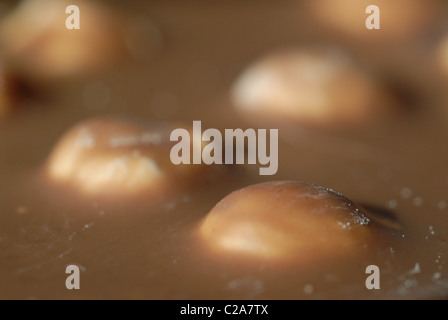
[
  {"x": 7, "y": 92},
  {"x": 135, "y": 248}
]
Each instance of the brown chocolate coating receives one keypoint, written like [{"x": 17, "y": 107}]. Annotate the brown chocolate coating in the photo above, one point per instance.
[
  {"x": 119, "y": 157},
  {"x": 7, "y": 93},
  {"x": 309, "y": 86},
  {"x": 287, "y": 220},
  {"x": 140, "y": 249}
]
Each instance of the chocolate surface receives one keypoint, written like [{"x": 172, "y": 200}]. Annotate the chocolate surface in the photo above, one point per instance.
[{"x": 138, "y": 248}]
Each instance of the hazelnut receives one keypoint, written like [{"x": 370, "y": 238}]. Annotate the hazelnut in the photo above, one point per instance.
[
  {"x": 399, "y": 19},
  {"x": 113, "y": 156},
  {"x": 286, "y": 220},
  {"x": 35, "y": 38},
  {"x": 311, "y": 87}
]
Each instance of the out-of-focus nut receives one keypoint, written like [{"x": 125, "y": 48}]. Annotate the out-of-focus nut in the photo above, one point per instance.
[
  {"x": 35, "y": 38},
  {"x": 399, "y": 19},
  {"x": 312, "y": 87}
]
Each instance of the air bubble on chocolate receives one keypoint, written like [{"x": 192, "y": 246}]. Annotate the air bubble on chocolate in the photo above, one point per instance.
[
  {"x": 308, "y": 289},
  {"x": 309, "y": 86},
  {"x": 287, "y": 221},
  {"x": 143, "y": 37},
  {"x": 35, "y": 38},
  {"x": 418, "y": 201},
  {"x": 119, "y": 156},
  {"x": 406, "y": 192},
  {"x": 392, "y": 204}
]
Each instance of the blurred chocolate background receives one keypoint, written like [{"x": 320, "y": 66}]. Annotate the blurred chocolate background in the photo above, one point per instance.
[{"x": 363, "y": 112}]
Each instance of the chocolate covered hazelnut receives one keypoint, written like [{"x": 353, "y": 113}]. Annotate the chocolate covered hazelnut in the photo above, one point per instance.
[
  {"x": 119, "y": 157},
  {"x": 36, "y": 39},
  {"x": 313, "y": 87},
  {"x": 287, "y": 220},
  {"x": 398, "y": 20}
]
